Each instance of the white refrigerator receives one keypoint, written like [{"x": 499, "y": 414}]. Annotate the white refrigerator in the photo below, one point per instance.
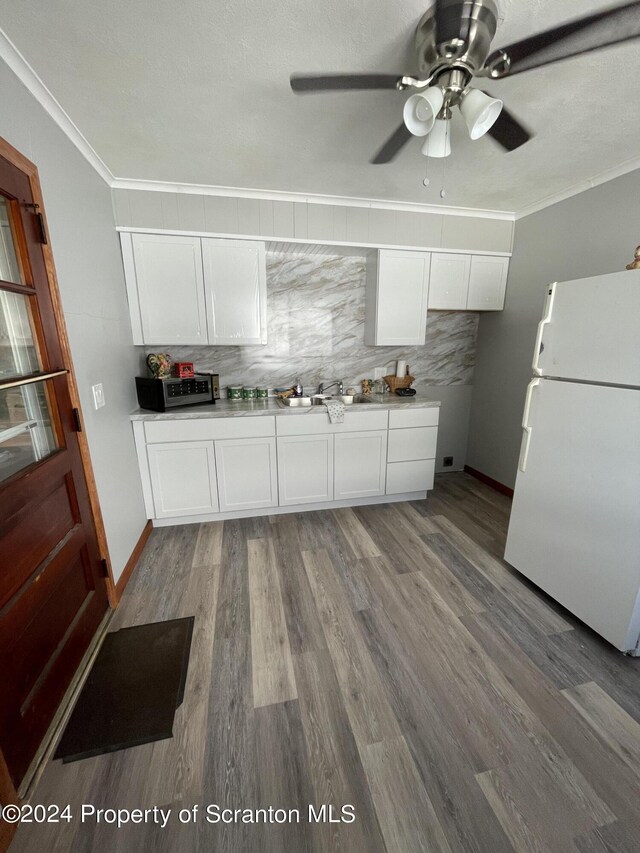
[{"x": 575, "y": 522}]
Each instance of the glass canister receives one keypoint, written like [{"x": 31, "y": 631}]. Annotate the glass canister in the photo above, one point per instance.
[{"x": 234, "y": 392}]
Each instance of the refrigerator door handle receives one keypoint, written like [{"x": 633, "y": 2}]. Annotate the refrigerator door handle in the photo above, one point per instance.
[
  {"x": 539, "y": 346},
  {"x": 526, "y": 428}
]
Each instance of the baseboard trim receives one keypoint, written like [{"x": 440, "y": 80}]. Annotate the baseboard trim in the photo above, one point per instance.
[
  {"x": 489, "y": 481},
  {"x": 132, "y": 562}
]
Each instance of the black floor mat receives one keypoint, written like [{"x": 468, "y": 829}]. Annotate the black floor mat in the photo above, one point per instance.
[{"x": 130, "y": 697}]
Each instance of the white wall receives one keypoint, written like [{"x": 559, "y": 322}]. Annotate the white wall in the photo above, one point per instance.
[
  {"x": 589, "y": 234},
  {"x": 89, "y": 267}
]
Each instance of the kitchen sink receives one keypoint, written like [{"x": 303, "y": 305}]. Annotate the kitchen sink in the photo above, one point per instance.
[{"x": 321, "y": 399}]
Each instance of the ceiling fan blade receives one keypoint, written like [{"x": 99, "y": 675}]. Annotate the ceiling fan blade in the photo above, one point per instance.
[
  {"x": 602, "y": 29},
  {"x": 392, "y": 146},
  {"x": 508, "y": 132},
  {"x": 342, "y": 82}
]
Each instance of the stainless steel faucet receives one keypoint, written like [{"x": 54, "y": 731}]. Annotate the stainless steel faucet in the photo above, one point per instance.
[{"x": 337, "y": 383}]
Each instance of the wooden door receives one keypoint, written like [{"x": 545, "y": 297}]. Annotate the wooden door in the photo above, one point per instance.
[{"x": 53, "y": 593}]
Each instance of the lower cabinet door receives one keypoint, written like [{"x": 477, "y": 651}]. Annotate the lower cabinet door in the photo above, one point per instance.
[
  {"x": 247, "y": 475},
  {"x": 410, "y": 476},
  {"x": 305, "y": 469},
  {"x": 183, "y": 478},
  {"x": 360, "y": 464}
]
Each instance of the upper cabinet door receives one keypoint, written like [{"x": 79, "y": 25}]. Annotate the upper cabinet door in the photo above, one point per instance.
[
  {"x": 449, "y": 281},
  {"x": 170, "y": 289},
  {"x": 235, "y": 275},
  {"x": 487, "y": 283},
  {"x": 396, "y": 300}
]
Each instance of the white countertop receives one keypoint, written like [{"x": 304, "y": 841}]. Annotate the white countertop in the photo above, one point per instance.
[{"x": 270, "y": 406}]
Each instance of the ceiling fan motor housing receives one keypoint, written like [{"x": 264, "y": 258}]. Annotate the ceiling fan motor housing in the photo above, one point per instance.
[{"x": 455, "y": 34}]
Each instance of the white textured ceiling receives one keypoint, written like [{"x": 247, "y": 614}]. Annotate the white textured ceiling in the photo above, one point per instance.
[{"x": 198, "y": 92}]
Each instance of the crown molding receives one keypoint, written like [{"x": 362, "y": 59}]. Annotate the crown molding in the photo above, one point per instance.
[
  {"x": 278, "y": 195},
  {"x": 582, "y": 186},
  {"x": 30, "y": 79}
]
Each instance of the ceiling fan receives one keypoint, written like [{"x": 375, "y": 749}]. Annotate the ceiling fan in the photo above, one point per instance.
[{"x": 453, "y": 46}]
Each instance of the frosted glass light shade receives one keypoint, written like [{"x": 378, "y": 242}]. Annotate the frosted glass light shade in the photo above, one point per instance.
[
  {"x": 420, "y": 111},
  {"x": 480, "y": 112},
  {"x": 438, "y": 143}
]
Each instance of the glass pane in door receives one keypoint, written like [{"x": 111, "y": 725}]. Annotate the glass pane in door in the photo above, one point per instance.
[
  {"x": 9, "y": 269},
  {"x": 18, "y": 354},
  {"x": 26, "y": 430}
]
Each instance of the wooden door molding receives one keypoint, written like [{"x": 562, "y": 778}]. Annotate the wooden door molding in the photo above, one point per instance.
[{"x": 30, "y": 169}]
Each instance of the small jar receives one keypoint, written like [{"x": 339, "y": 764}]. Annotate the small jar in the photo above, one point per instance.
[
  {"x": 262, "y": 393},
  {"x": 234, "y": 392},
  {"x": 248, "y": 393}
]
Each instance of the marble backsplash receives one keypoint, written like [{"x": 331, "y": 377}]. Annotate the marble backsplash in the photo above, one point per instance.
[{"x": 315, "y": 309}]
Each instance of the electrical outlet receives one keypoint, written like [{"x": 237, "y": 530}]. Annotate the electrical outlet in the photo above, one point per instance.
[
  {"x": 378, "y": 372},
  {"x": 447, "y": 462},
  {"x": 98, "y": 396}
]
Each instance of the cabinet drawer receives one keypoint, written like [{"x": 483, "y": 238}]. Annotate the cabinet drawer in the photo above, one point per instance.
[
  {"x": 406, "y": 445},
  {"x": 410, "y": 476},
  {"x": 414, "y": 418},
  {"x": 206, "y": 429},
  {"x": 312, "y": 423}
]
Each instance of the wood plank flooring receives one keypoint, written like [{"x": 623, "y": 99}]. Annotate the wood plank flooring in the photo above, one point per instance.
[{"x": 383, "y": 658}]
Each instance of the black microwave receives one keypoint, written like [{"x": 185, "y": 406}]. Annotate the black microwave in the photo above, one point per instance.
[{"x": 162, "y": 394}]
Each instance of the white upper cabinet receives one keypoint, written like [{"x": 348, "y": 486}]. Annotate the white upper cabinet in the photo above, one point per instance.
[
  {"x": 188, "y": 290},
  {"x": 449, "y": 281},
  {"x": 165, "y": 288},
  {"x": 235, "y": 277},
  {"x": 487, "y": 283},
  {"x": 467, "y": 282},
  {"x": 396, "y": 300}
]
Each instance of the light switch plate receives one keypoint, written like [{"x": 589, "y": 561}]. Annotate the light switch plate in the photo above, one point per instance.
[
  {"x": 98, "y": 396},
  {"x": 378, "y": 372}
]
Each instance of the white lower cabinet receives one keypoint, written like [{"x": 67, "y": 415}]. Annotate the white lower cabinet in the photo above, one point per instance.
[
  {"x": 416, "y": 476},
  {"x": 305, "y": 469},
  {"x": 183, "y": 478},
  {"x": 360, "y": 464},
  {"x": 193, "y": 467},
  {"x": 247, "y": 475},
  {"x": 413, "y": 436}
]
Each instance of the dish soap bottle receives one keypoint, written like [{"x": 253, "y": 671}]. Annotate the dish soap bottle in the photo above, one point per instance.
[{"x": 299, "y": 388}]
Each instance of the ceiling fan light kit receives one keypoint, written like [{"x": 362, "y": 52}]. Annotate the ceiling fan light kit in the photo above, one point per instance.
[
  {"x": 480, "y": 112},
  {"x": 421, "y": 110},
  {"x": 453, "y": 46},
  {"x": 438, "y": 142}
]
